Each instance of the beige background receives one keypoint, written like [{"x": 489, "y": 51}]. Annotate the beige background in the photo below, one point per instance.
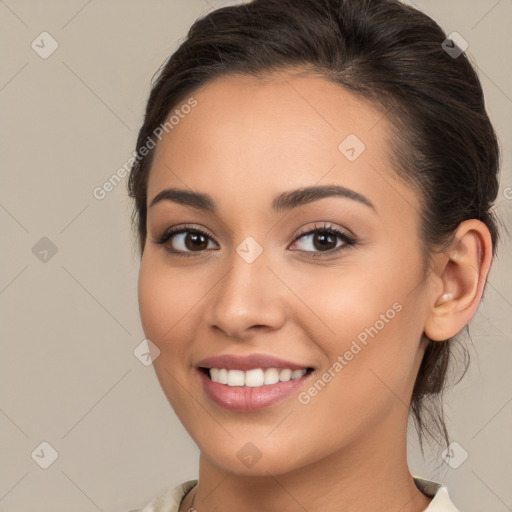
[{"x": 70, "y": 324}]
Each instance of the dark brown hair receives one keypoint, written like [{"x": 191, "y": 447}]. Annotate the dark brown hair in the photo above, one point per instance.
[{"x": 442, "y": 143}]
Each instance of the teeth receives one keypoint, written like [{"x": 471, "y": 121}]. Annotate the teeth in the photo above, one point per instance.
[
  {"x": 271, "y": 376},
  {"x": 223, "y": 376},
  {"x": 255, "y": 377},
  {"x": 251, "y": 378},
  {"x": 285, "y": 375},
  {"x": 236, "y": 378}
]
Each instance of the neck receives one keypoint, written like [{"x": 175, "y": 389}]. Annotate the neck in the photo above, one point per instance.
[{"x": 369, "y": 474}]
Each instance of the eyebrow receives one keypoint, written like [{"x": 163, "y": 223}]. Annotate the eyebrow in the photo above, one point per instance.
[{"x": 284, "y": 201}]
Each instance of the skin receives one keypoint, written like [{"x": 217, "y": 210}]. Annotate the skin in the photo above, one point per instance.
[{"x": 246, "y": 141}]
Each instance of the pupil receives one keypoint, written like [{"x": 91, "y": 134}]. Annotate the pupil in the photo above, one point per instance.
[
  {"x": 324, "y": 238},
  {"x": 193, "y": 238}
]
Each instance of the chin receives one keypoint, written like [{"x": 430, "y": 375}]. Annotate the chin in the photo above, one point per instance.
[{"x": 249, "y": 460}]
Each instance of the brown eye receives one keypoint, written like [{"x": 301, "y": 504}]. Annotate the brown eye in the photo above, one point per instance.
[
  {"x": 320, "y": 240},
  {"x": 195, "y": 241},
  {"x": 184, "y": 241},
  {"x": 326, "y": 239}
]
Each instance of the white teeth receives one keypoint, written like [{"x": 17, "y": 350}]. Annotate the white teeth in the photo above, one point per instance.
[
  {"x": 255, "y": 377},
  {"x": 236, "y": 378},
  {"x": 297, "y": 374},
  {"x": 223, "y": 376},
  {"x": 271, "y": 376},
  {"x": 285, "y": 375}
]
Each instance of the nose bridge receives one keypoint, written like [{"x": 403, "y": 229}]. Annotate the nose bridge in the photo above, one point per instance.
[{"x": 248, "y": 295}]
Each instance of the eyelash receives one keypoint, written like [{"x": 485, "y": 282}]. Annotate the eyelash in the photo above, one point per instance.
[{"x": 348, "y": 241}]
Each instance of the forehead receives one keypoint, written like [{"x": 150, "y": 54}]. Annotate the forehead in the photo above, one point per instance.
[{"x": 256, "y": 137}]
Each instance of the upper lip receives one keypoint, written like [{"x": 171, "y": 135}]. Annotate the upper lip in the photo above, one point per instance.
[{"x": 234, "y": 362}]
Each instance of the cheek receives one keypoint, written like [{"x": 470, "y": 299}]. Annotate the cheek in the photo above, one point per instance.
[
  {"x": 343, "y": 303},
  {"x": 377, "y": 335},
  {"x": 370, "y": 316},
  {"x": 166, "y": 304},
  {"x": 166, "y": 301}
]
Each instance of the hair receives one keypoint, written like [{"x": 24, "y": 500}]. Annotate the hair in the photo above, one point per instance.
[{"x": 442, "y": 141}]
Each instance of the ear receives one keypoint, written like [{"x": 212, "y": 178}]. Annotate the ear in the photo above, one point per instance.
[{"x": 458, "y": 278}]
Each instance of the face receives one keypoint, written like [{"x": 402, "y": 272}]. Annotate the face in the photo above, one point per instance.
[{"x": 331, "y": 281}]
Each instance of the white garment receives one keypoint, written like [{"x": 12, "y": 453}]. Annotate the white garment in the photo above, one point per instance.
[{"x": 170, "y": 501}]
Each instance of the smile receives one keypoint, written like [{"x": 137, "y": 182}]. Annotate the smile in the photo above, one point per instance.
[
  {"x": 255, "y": 377},
  {"x": 251, "y": 390}
]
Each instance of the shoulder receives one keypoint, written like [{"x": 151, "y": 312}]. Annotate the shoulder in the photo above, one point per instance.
[
  {"x": 441, "y": 501},
  {"x": 170, "y": 501}
]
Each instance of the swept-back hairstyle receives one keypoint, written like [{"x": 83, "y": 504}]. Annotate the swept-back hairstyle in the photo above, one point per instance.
[{"x": 442, "y": 141}]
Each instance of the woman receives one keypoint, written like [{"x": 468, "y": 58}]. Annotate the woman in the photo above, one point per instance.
[{"x": 312, "y": 189}]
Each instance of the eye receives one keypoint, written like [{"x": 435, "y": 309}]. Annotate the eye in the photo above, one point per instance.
[
  {"x": 324, "y": 239},
  {"x": 184, "y": 240}
]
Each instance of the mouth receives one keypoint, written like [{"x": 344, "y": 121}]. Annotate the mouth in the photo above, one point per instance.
[
  {"x": 254, "y": 389},
  {"x": 255, "y": 377}
]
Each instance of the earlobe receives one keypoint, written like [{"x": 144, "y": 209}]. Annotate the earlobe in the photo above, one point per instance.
[{"x": 462, "y": 274}]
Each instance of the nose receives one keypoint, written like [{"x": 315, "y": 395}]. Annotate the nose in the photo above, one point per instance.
[{"x": 248, "y": 299}]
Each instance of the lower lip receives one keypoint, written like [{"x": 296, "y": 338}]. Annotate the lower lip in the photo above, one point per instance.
[{"x": 243, "y": 398}]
